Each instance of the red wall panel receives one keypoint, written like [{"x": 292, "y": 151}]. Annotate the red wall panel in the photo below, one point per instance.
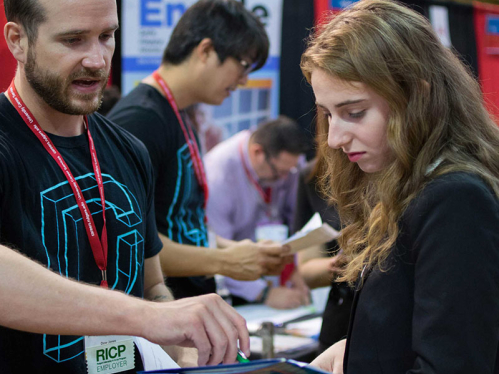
[
  {"x": 320, "y": 7},
  {"x": 488, "y": 64},
  {"x": 7, "y": 62}
]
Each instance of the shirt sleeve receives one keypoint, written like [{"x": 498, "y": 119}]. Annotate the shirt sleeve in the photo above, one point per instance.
[
  {"x": 6, "y": 184},
  {"x": 147, "y": 126},
  {"x": 456, "y": 292}
]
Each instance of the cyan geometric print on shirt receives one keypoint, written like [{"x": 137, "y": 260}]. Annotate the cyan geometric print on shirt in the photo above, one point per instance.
[
  {"x": 59, "y": 205},
  {"x": 188, "y": 223}
]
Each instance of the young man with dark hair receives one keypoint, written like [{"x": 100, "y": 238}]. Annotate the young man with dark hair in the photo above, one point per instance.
[
  {"x": 253, "y": 179},
  {"x": 213, "y": 48},
  {"x": 76, "y": 196}
]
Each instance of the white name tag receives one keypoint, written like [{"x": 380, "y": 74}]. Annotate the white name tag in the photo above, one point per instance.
[
  {"x": 212, "y": 239},
  {"x": 109, "y": 354},
  {"x": 272, "y": 231}
]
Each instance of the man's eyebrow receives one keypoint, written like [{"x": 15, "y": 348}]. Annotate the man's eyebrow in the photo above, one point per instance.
[
  {"x": 112, "y": 28},
  {"x": 72, "y": 33},
  {"x": 77, "y": 32}
]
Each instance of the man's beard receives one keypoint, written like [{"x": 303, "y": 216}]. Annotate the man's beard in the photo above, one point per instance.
[{"x": 56, "y": 91}]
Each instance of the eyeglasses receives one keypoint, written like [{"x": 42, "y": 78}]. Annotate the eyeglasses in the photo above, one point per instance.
[
  {"x": 247, "y": 66},
  {"x": 276, "y": 173}
]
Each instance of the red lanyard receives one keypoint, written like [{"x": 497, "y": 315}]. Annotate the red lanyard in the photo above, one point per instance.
[
  {"x": 188, "y": 135},
  {"x": 265, "y": 193},
  {"x": 99, "y": 247}
]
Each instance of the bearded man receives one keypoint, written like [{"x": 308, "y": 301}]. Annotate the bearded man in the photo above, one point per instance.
[{"x": 76, "y": 196}]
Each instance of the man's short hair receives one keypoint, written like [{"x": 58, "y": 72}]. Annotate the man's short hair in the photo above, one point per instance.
[
  {"x": 233, "y": 30},
  {"x": 28, "y": 13},
  {"x": 280, "y": 135}
]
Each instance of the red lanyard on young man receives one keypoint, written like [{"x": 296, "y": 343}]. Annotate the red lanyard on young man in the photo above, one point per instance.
[
  {"x": 99, "y": 246},
  {"x": 188, "y": 135},
  {"x": 265, "y": 193}
]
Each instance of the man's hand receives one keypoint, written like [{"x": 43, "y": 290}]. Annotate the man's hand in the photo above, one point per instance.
[
  {"x": 287, "y": 298},
  {"x": 206, "y": 322},
  {"x": 185, "y": 357},
  {"x": 274, "y": 267},
  {"x": 297, "y": 282},
  {"x": 331, "y": 360},
  {"x": 247, "y": 260}
]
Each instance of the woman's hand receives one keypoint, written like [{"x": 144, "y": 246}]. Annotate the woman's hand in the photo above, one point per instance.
[{"x": 332, "y": 358}]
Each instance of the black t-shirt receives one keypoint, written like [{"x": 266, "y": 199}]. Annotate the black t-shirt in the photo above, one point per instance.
[
  {"x": 39, "y": 216},
  {"x": 178, "y": 197}
]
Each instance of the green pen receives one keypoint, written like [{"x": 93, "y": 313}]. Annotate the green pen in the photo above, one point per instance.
[{"x": 241, "y": 357}]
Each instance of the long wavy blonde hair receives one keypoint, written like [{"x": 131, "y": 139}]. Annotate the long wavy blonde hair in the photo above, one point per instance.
[{"x": 436, "y": 110}]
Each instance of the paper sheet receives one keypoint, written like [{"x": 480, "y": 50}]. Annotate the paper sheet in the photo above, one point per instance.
[
  {"x": 309, "y": 328},
  {"x": 255, "y": 314},
  {"x": 315, "y": 232},
  {"x": 153, "y": 356}
]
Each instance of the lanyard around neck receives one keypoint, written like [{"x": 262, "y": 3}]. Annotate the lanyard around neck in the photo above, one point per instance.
[
  {"x": 188, "y": 135},
  {"x": 265, "y": 193},
  {"x": 99, "y": 246}
]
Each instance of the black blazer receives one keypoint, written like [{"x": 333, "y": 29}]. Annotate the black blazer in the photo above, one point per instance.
[{"x": 435, "y": 306}]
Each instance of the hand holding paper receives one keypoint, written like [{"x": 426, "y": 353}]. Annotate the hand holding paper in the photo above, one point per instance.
[{"x": 315, "y": 232}]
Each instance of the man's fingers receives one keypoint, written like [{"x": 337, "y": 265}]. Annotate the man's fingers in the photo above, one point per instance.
[
  {"x": 201, "y": 342},
  {"x": 273, "y": 261},
  {"x": 217, "y": 339},
  {"x": 305, "y": 298},
  {"x": 274, "y": 249},
  {"x": 241, "y": 328},
  {"x": 233, "y": 326},
  {"x": 215, "y": 330}
]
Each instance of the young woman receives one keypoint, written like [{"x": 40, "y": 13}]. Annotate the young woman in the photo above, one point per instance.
[{"x": 412, "y": 166}]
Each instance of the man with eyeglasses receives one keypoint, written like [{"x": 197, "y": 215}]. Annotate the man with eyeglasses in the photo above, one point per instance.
[
  {"x": 253, "y": 180},
  {"x": 213, "y": 48}
]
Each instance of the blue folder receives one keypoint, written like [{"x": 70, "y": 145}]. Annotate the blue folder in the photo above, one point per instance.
[{"x": 272, "y": 366}]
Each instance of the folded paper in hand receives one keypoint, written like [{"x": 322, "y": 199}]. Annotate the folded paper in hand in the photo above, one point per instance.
[{"x": 315, "y": 232}]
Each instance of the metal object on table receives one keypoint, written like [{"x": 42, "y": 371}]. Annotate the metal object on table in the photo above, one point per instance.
[{"x": 266, "y": 332}]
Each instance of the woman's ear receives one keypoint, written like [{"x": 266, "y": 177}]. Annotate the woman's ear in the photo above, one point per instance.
[{"x": 17, "y": 41}]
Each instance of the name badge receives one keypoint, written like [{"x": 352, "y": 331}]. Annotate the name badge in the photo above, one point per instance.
[
  {"x": 109, "y": 354},
  {"x": 271, "y": 231},
  {"x": 212, "y": 239}
]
